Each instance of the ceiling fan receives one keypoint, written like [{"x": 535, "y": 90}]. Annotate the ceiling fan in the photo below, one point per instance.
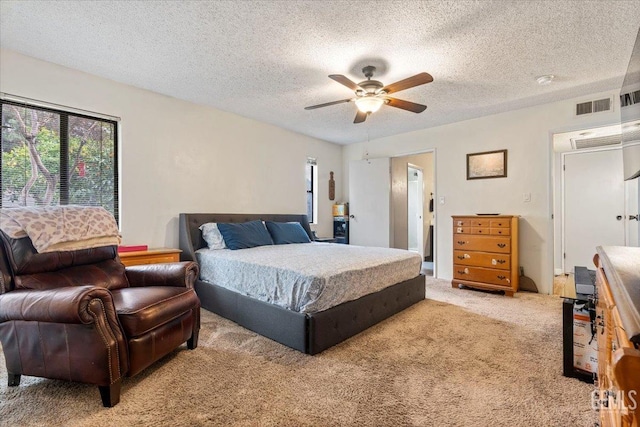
[{"x": 372, "y": 94}]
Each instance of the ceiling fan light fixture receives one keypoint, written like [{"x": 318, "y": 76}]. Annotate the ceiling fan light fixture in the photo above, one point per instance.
[{"x": 369, "y": 104}]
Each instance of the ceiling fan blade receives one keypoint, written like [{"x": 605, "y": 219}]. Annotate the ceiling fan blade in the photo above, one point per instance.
[
  {"x": 417, "y": 80},
  {"x": 360, "y": 117},
  {"x": 406, "y": 105},
  {"x": 343, "y": 80},
  {"x": 326, "y": 104}
]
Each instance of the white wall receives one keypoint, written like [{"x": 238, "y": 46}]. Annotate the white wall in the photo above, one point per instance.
[
  {"x": 177, "y": 156},
  {"x": 526, "y": 133}
]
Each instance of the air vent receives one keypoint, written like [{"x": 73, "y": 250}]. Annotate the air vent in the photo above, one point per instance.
[
  {"x": 631, "y": 98},
  {"x": 598, "y": 141},
  {"x": 591, "y": 107}
]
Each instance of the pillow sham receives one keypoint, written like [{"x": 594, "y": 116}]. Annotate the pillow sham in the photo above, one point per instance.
[
  {"x": 245, "y": 235},
  {"x": 212, "y": 236},
  {"x": 284, "y": 233}
]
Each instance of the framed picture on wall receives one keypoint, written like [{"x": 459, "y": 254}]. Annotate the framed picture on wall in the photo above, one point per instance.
[{"x": 488, "y": 164}]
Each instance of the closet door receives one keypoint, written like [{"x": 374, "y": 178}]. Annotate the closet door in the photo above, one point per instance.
[{"x": 594, "y": 199}]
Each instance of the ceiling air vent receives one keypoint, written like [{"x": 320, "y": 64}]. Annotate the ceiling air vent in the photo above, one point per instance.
[
  {"x": 598, "y": 141},
  {"x": 631, "y": 98},
  {"x": 591, "y": 107}
]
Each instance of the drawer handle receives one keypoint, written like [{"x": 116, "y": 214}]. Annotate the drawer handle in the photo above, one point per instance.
[
  {"x": 502, "y": 245},
  {"x": 502, "y": 277},
  {"x": 459, "y": 223},
  {"x": 499, "y": 231},
  {"x": 460, "y": 256},
  {"x": 465, "y": 271},
  {"x": 500, "y": 261},
  {"x": 479, "y": 231},
  {"x": 461, "y": 242}
]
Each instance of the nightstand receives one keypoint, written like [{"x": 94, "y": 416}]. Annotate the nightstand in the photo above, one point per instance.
[
  {"x": 150, "y": 256},
  {"x": 325, "y": 239}
]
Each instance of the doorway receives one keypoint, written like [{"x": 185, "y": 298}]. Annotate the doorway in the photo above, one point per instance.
[
  {"x": 593, "y": 210},
  {"x": 412, "y": 208},
  {"x": 592, "y": 205}
]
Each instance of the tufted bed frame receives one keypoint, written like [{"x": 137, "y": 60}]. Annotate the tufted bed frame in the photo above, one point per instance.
[{"x": 310, "y": 333}]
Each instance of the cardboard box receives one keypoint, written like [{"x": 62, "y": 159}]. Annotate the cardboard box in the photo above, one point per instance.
[
  {"x": 340, "y": 210},
  {"x": 585, "y": 345}
]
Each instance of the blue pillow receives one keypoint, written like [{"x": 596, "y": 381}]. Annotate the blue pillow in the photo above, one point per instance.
[
  {"x": 287, "y": 232},
  {"x": 244, "y": 235}
]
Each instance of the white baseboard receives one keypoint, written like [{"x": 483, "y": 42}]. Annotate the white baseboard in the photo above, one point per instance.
[{"x": 557, "y": 271}]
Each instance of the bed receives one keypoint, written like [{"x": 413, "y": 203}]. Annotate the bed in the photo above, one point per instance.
[{"x": 308, "y": 332}]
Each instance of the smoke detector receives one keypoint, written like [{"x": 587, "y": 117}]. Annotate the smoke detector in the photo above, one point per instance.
[{"x": 545, "y": 80}]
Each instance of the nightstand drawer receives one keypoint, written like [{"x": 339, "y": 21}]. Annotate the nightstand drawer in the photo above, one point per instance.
[{"x": 151, "y": 256}]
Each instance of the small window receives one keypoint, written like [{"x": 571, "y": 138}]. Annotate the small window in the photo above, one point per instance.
[
  {"x": 52, "y": 157},
  {"x": 311, "y": 184}
]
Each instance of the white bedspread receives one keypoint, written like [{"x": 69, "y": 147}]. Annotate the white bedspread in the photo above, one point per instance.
[{"x": 307, "y": 277}]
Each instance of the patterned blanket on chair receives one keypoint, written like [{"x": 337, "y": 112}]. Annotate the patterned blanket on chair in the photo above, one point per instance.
[{"x": 61, "y": 228}]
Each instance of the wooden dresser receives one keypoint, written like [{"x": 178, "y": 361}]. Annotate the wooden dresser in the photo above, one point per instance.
[
  {"x": 485, "y": 252},
  {"x": 617, "y": 396}
]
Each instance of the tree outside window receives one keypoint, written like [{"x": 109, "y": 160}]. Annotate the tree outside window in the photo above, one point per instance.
[{"x": 52, "y": 157}]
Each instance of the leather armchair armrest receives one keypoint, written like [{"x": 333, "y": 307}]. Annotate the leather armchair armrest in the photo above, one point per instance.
[
  {"x": 180, "y": 274},
  {"x": 71, "y": 304}
]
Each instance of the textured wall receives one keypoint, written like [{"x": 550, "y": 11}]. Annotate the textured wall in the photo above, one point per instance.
[
  {"x": 526, "y": 134},
  {"x": 177, "y": 156}
]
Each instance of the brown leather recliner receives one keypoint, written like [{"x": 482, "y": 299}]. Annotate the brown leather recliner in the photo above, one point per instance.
[{"x": 82, "y": 316}]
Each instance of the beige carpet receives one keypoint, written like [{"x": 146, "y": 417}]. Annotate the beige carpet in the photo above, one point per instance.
[{"x": 459, "y": 358}]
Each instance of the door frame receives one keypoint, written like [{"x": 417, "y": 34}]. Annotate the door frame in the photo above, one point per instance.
[
  {"x": 563, "y": 155},
  {"x": 418, "y": 168},
  {"x": 434, "y": 152}
]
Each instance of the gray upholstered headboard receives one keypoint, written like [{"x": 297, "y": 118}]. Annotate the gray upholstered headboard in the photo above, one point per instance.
[{"x": 191, "y": 237}]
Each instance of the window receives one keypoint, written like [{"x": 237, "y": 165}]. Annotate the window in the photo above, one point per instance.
[
  {"x": 53, "y": 157},
  {"x": 311, "y": 181}
]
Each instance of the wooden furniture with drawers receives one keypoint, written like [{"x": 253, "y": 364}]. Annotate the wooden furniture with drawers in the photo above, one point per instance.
[
  {"x": 618, "y": 332},
  {"x": 485, "y": 252},
  {"x": 150, "y": 256}
]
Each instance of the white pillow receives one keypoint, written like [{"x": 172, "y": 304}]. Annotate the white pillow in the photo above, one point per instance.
[{"x": 212, "y": 236}]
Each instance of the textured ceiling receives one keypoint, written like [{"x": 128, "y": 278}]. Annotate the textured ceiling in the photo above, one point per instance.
[{"x": 267, "y": 60}]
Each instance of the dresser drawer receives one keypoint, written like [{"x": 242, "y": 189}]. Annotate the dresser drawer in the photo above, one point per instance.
[
  {"x": 480, "y": 230},
  {"x": 500, "y": 231},
  {"x": 480, "y": 223},
  {"x": 499, "y": 223},
  {"x": 484, "y": 275},
  {"x": 482, "y": 243},
  {"x": 462, "y": 222},
  {"x": 461, "y": 230},
  {"x": 482, "y": 259}
]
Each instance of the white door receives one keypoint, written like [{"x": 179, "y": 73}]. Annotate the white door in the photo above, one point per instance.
[
  {"x": 415, "y": 209},
  {"x": 369, "y": 202},
  {"x": 594, "y": 198},
  {"x": 632, "y": 212}
]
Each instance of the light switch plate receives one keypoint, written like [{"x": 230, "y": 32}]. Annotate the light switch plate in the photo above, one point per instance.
[
  {"x": 526, "y": 197},
  {"x": 441, "y": 200}
]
